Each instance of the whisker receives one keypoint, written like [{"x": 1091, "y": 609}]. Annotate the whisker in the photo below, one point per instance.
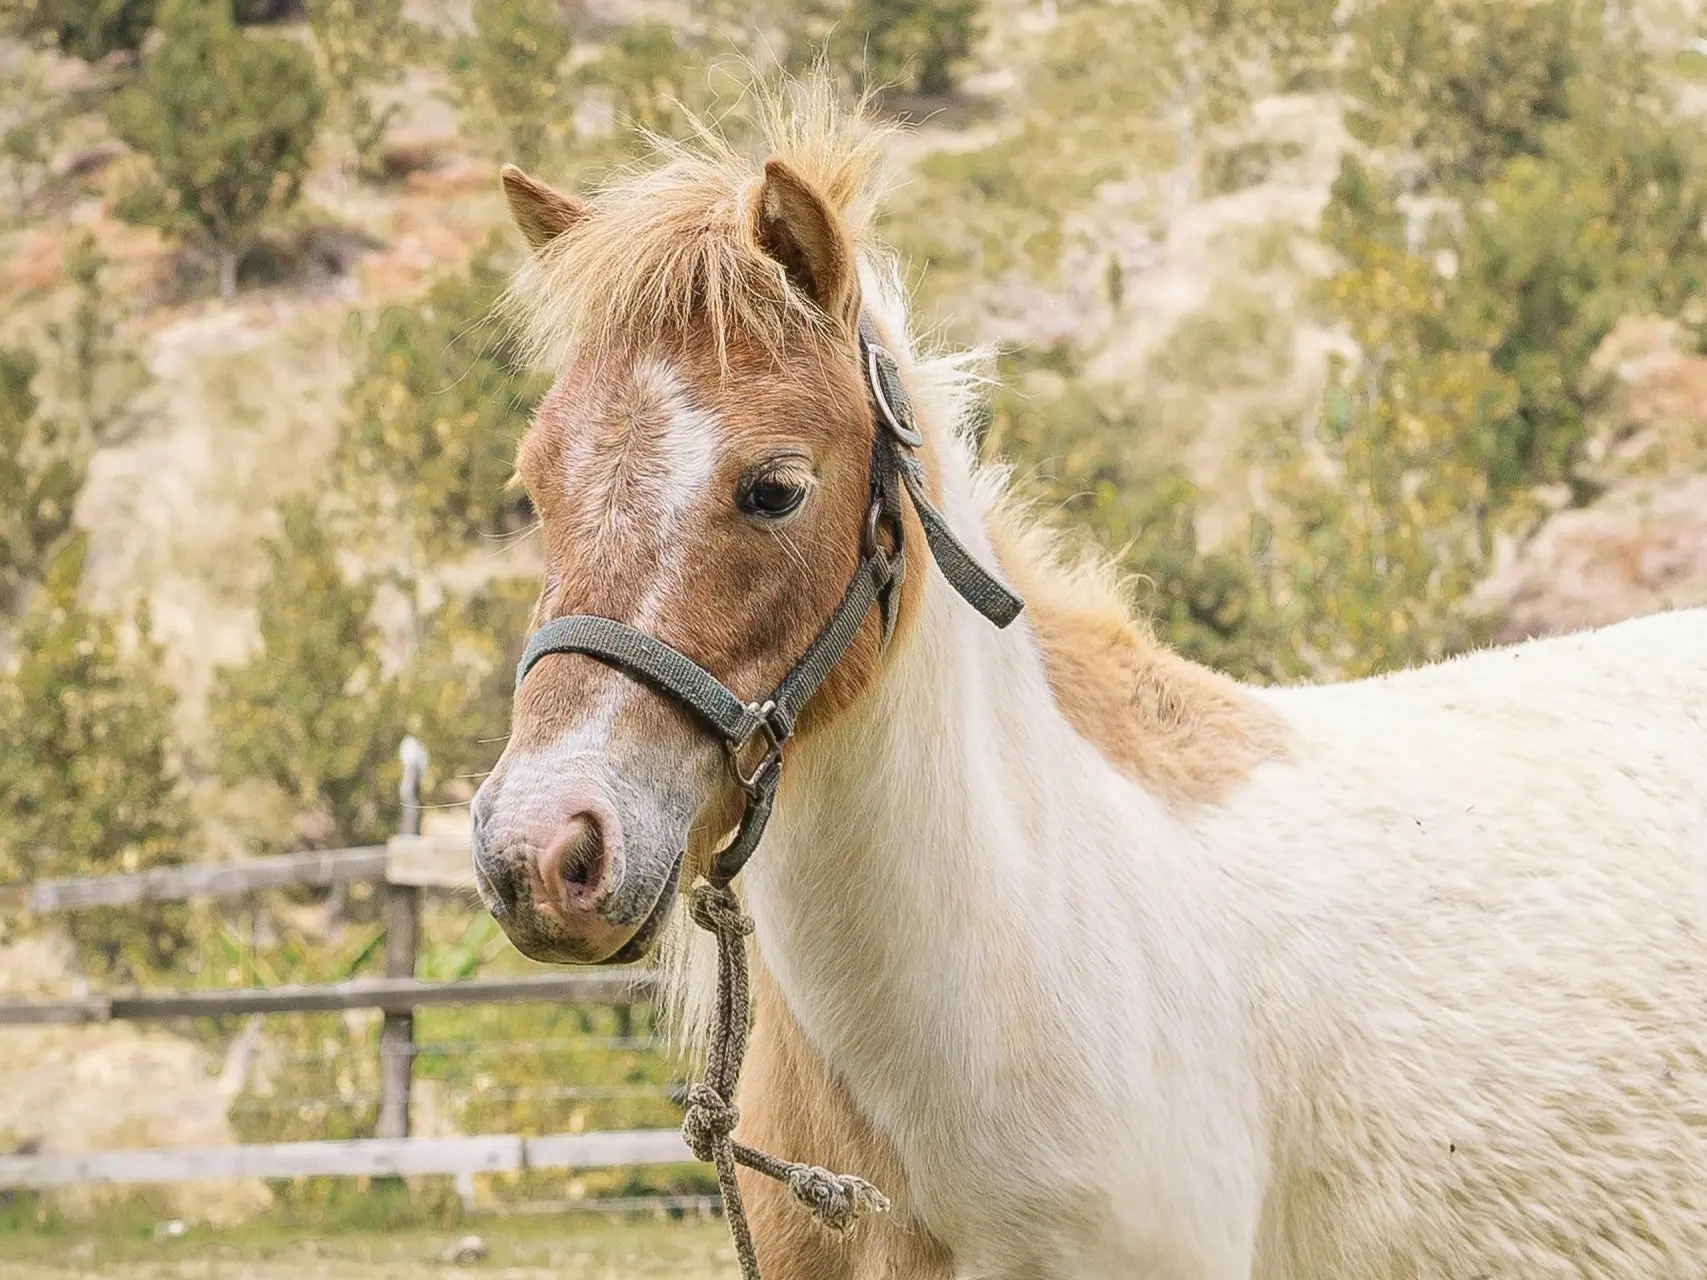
[{"x": 788, "y": 545}]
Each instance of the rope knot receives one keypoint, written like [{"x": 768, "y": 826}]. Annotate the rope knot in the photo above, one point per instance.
[
  {"x": 717, "y": 910},
  {"x": 835, "y": 1199},
  {"x": 709, "y": 1121}
]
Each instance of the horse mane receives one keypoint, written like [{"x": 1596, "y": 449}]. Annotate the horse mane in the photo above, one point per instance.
[{"x": 667, "y": 248}]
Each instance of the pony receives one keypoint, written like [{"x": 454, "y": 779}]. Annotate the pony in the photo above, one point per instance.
[{"x": 1099, "y": 963}]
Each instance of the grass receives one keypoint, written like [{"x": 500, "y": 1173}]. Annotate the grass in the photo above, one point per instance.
[{"x": 579, "y": 1245}]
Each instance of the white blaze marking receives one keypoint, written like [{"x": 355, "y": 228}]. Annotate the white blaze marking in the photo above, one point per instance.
[
  {"x": 669, "y": 464},
  {"x": 650, "y": 495},
  {"x": 686, "y": 452}
]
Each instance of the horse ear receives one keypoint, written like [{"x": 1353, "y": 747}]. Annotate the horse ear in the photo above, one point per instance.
[
  {"x": 793, "y": 224},
  {"x": 542, "y": 213}
]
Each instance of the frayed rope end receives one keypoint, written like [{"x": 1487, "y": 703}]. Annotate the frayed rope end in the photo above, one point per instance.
[{"x": 835, "y": 1199}]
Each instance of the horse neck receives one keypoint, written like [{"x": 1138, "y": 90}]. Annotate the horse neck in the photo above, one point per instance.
[{"x": 935, "y": 851}]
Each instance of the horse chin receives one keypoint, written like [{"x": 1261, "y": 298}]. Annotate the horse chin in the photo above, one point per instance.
[{"x": 639, "y": 946}]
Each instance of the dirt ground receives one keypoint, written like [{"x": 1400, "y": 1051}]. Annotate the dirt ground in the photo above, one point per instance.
[{"x": 516, "y": 1250}]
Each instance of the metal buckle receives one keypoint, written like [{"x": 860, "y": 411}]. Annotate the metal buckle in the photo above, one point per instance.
[{"x": 767, "y": 764}]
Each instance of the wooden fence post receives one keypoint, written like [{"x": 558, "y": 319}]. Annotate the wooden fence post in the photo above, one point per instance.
[{"x": 402, "y": 936}]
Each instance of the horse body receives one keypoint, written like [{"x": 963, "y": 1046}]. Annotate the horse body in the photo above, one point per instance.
[
  {"x": 1422, "y": 997},
  {"x": 1477, "y": 913}
]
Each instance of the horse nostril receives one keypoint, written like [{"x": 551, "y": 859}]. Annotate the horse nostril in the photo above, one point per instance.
[
  {"x": 581, "y": 854},
  {"x": 576, "y": 864}
]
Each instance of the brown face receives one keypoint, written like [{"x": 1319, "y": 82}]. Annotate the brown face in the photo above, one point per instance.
[{"x": 717, "y": 505}]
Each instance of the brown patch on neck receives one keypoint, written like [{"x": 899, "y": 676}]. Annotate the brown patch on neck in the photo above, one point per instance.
[
  {"x": 1184, "y": 732},
  {"x": 792, "y": 1107}
]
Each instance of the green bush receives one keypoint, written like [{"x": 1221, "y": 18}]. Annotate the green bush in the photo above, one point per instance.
[
  {"x": 228, "y": 121},
  {"x": 509, "y": 76},
  {"x": 87, "y": 785},
  {"x": 89, "y": 29},
  {"x": 434, "y": 417}
]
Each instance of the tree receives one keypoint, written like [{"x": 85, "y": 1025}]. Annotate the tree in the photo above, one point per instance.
[
  {"x": 86, "y": 783},
  {"x": 228, "y": 122},
  {"x": 363, "y": 47},
  {"x": 32, "y": 123},
  {"x": 419, "y": 479},
  {"x": 1086, "y": 463},
  {"x": 97, "y": 376},
  {"x": 314, "y": 712},
  {"x": 44, "y": 461},
  {"x": 509, "y": 73},
  {"x": 1388, "y": 510},
  {"x": 1532, "y": 189},
  {"x": 458, "y": 687},
  {"x": 642, "y": 69},
  {"x": 1463, "y": 87},
  {"x": 319, "y": 710},
  {"x": 915, "y": 44},
  {"x": 90, "y": 29},
  {"x": 41, "y": 474}
]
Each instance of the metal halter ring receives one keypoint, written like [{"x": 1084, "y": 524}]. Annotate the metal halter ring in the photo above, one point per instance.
[
  {"x": 767, "y": 763},
  {"x": 889, "y": 396},
  {"x": 868, "y": 536}
]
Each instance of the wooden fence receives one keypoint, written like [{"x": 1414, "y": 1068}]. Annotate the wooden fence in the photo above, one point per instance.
[{"x": 406, "y": 866}]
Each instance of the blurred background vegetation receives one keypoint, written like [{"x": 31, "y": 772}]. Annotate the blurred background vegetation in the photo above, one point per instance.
[{"x": 1328, "y": 319}]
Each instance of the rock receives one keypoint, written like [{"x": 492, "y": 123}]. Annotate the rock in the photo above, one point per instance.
[
  {"x": 1641, "y": 548},
  {"x": 1641, "y": 545},
  {"x": 467, "y": 1251}
]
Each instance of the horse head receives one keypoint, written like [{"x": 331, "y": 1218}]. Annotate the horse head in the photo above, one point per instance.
[{"x": 703, "y": 470}]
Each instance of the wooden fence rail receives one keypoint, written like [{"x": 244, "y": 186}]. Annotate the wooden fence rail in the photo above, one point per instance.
[
  {"x": 209, "y": 880},
  {"x": 356, "y": 1157},
  {"x": 394, "y": 995}
]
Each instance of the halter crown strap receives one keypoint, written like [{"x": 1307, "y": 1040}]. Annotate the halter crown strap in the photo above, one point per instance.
[{"x": 976, "y": 585}]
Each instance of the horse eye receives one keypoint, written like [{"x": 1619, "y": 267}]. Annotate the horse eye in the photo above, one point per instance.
[{"x": 770, "y": 498}]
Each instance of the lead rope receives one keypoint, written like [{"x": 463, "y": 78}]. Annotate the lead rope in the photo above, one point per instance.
[{"x": 835, "y": 1199}]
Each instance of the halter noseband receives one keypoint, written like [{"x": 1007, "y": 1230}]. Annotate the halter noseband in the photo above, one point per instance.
[{"x": 740, "y": 724}]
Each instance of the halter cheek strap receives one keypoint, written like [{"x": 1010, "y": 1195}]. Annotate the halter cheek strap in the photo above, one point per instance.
[{"x": 772, "y": 720}]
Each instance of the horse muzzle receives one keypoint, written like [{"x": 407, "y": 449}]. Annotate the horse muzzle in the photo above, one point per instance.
[{"x": 576, "y": 868}]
